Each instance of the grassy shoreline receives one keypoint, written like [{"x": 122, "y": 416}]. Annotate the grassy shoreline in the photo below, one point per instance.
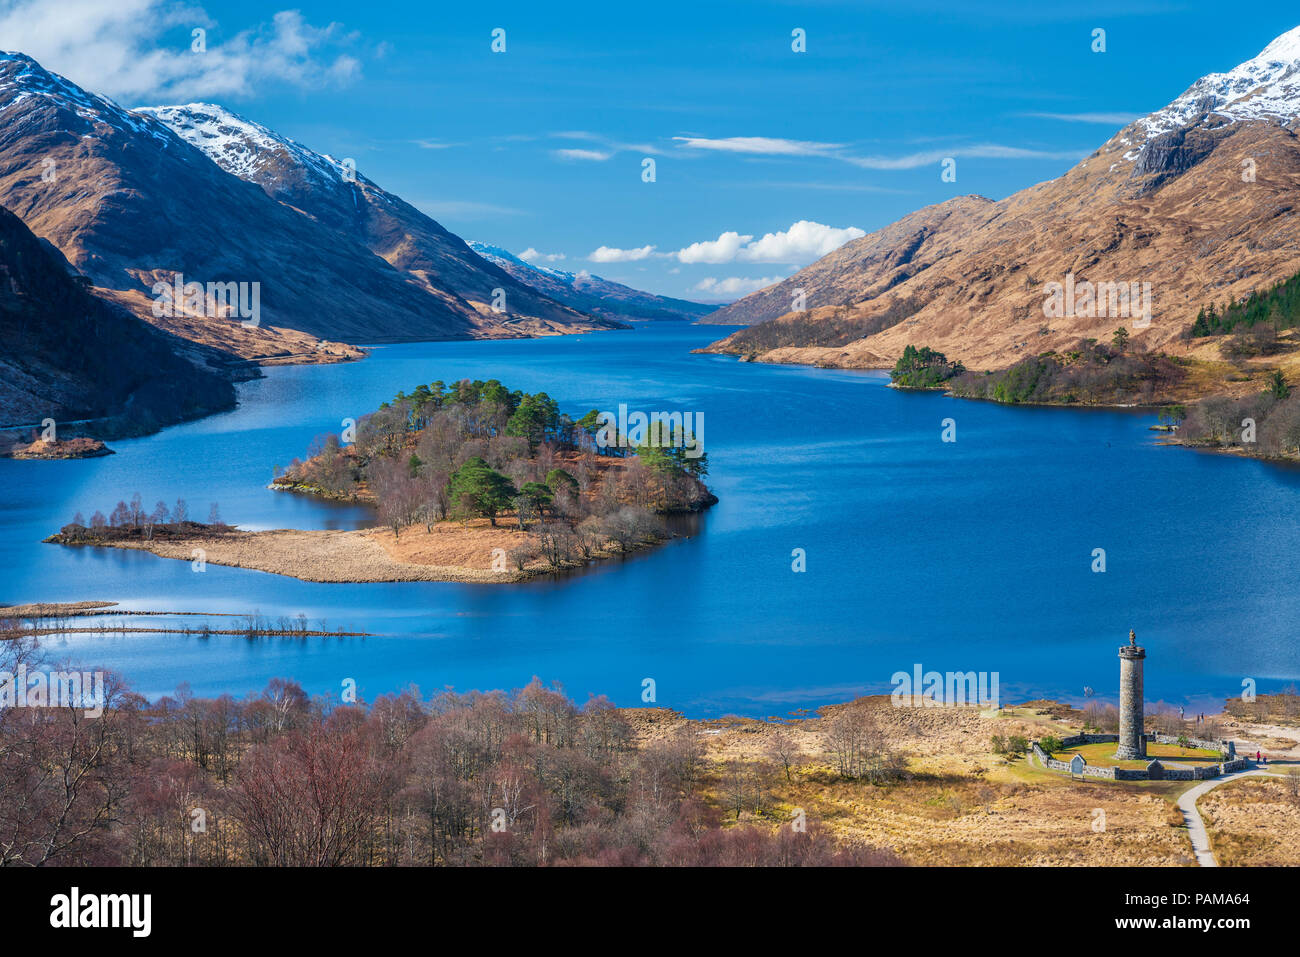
[{"x": 465, "y": 553}]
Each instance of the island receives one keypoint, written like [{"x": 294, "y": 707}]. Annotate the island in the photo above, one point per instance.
[
  {"x": 470, "y": 482},
  {"x": 78, "y": 448}
]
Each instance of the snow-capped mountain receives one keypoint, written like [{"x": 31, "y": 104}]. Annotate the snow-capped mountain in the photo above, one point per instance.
[
  {"x": 1198, "y": 199},
  {"x": 332, "y": 192},
  {"x": 240, "y": 146},
  {"x": 130, "y": 203},
  {"x": 592, "y": 294},
  {"x": 1266, "y": 87}
]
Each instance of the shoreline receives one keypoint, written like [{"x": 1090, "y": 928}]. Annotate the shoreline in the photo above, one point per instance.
[
  {"x": 1142, "y": 408},
  {"x": 363, "y": 556}
]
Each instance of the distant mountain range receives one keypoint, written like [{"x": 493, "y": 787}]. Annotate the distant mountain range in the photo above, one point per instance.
[
  {"x": 1199, "y": 199},
  {"x": 588, "y": 293},
  {"x": 132, "y": 198},
  {"x": 69, "y": 355},
  {"x": 337, "y": 196}
]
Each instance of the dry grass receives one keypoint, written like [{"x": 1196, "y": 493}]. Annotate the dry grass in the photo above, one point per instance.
[
  {"x": 316, "y": 556},
  {"x": 958, "y": 804},
  {"x": 451, "y": 552},
  {"x": 266, "y": 345},
  {"x": 1253, "y": 822}
]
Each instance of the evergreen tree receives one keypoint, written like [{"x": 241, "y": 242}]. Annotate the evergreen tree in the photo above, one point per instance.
[{"x": 477, "y": 489}]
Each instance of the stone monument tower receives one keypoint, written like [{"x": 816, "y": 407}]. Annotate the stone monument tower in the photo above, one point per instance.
[{"x": 1132, "y": 742}]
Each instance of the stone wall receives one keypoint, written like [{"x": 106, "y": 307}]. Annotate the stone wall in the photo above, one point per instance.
[
  {"x": 1142, "y": 774},
  {"x": 1223, "y": 747}
]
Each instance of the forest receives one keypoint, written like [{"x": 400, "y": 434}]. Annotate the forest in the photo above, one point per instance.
[
  {"x": 1266, "y": 424},
  {"x": 476, "y": 450},
  {"x": 1278, "y": 307},
  {"x": 526, "y": 778},
  {"x": 1093, "y": 373}
]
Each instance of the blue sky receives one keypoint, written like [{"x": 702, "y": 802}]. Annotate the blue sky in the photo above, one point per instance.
[{"x": 541, "y": 147}]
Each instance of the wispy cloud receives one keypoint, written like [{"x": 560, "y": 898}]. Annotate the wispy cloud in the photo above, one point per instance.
[
  {"x": 608, "y": 146},
  {"x": 826, "y": 186},
  {"x": 597, "y": 156},
  {"x": 1108, "y": 119},
  {"x": 463, "y": 209},
  {"x": 770, "y": 146},
  {"x": 760, "y": 146},
  {"x": 120, "y": 48},
  {"x": 982, "y": 151}
]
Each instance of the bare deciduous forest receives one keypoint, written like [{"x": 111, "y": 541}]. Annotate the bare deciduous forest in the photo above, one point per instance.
[{"x": 277, "y": 778}]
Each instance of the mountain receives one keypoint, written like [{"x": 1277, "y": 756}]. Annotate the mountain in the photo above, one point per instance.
[
  {"x": 334, "y": 195},
  {"x": 69, "y": 355},
  {"x": 593, "y": 294},
  {"x": 130, "y": 203},
  {"x": 1198, "y": 199}
]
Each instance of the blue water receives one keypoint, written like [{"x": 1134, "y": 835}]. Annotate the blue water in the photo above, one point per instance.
[{"x": 970, "y": 555}]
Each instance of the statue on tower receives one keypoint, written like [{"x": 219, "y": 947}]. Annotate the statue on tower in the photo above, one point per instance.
[{"x": 1132, "y": 638}]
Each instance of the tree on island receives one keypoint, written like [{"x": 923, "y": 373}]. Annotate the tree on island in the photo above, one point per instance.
[
  {"x": 533, "y": 500},
  {"x": 535, "y": 416},
  {"x": 924, "y": 368},
  {"x": 557, "y": 479},
  {"x": 478, "y": 489},
  {"x": 476, "y": 448}
]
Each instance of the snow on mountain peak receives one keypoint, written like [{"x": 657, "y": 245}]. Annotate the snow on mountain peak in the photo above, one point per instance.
[
  {"x": 502, "y": 256},
  {"x": 1266, "y": 87},
  {"x": 238, "y": 145},
  {"x": 22, "y": 79},
  {"x": 1285, "y": 49}
]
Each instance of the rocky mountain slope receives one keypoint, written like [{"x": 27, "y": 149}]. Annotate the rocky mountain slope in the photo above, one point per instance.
[
  {"x": 69, "y": 355},
  {"x": 1197, "y": 199},
  {"x": 335, "y": 195},
  {"x": 593, "y": 294},
  {"x": 131, "y": 203}
]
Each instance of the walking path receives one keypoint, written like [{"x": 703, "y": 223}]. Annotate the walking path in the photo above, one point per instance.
[
  {"x": 1196, "y": 831},
  {"x": 1195, "y": 825}
]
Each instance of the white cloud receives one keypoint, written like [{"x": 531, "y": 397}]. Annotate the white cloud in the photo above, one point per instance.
[
  {"x": 531, "y": 255},
  {"x": 804, "y": 242},
  {"x": 734, "y": 285},
  {"x": 609, "y": 254},
  {"x": 721, "y": 250},
  {"x": 598, "y": 156},
  {"x": 119, "y": 48},
  {"x": 759, "y": 145}
]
